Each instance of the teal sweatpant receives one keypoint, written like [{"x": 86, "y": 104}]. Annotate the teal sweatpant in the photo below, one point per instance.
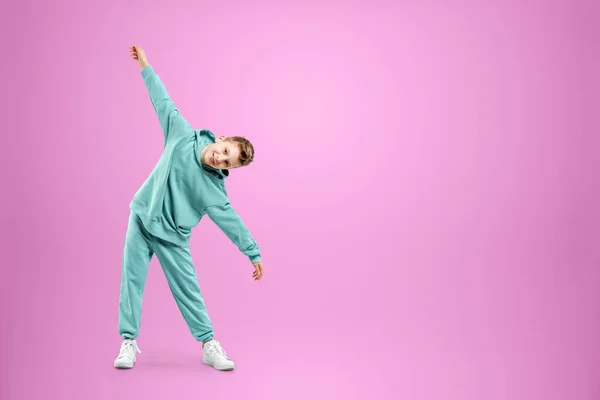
[{"x": 176, "y": 262}]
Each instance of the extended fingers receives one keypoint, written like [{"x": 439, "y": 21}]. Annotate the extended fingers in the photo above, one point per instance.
[{"x": 258, "y": 271}]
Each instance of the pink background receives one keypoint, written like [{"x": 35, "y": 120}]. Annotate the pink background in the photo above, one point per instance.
[{"x": 425, "y": 194}]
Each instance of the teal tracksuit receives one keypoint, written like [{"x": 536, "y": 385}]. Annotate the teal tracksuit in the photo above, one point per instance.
[{"x": 173, "y": 199}]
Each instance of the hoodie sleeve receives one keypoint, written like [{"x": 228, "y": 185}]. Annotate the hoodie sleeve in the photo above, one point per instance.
[
  {"x": 228, "y": 220},
  {"x": 161, "y": 101}
]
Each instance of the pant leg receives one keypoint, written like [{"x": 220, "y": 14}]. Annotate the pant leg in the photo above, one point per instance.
[
  {"x": 176, "y": 262},
  {"x": 137, "y": 254}
]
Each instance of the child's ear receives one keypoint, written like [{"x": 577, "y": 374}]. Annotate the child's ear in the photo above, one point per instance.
[{"x": 221, "y": 138}]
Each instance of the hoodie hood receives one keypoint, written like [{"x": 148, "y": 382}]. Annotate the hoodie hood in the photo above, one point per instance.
[{"x": 204, "y": 137}]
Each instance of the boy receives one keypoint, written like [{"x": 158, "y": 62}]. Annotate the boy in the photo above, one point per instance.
[{"x": 186, "y": 183}]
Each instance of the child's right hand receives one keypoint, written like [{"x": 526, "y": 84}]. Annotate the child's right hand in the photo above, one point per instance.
[{"x": 139, "y": 55}]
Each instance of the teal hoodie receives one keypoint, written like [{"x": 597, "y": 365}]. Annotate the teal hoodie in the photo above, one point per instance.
[{"x": 180, "y": 189}]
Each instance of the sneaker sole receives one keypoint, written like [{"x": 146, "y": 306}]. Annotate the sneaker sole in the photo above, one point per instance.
[
  {"x": 220, "y": 369},
  {"x": 123, "y": 366}
]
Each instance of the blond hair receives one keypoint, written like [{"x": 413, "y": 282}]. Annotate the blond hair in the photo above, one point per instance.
[{"x": 246, "y": 149}]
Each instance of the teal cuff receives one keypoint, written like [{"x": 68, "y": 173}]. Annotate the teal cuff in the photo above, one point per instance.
[{"x": 147, "y": 71}]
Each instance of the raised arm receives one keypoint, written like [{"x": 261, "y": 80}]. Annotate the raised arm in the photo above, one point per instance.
[{"x": 161, "y": 101}]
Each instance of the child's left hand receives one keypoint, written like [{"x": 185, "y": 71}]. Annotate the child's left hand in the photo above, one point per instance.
[{"x": 258, "y": 271}]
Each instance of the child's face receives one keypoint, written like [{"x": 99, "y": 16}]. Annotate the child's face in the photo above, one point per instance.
[{"x": 222, "y": 154}]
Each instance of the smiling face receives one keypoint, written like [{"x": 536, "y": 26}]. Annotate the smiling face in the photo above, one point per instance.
[{"x": 223, "y": 154}]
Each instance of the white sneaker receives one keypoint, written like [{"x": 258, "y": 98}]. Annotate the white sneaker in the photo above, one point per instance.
[
  {"x": 126, "y": 357},
  {"x": 215, "y": 356}
]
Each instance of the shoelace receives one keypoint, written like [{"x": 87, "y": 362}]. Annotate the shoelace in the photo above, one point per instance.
[
  {"x": 127, "y": 347},
  {"x": 216, "y": 350}
]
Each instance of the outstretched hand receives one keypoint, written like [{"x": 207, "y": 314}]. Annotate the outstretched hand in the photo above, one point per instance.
[
  {"x": 139, "y": 55},
  {"x": 258, "y": 271}
]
